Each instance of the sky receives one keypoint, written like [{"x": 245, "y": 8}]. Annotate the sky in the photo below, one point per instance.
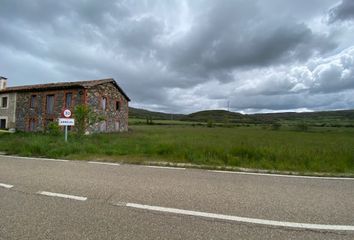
[{"x": 185, "y": 56}]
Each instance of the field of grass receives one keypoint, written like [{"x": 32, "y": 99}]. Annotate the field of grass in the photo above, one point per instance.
[{"x": 318, "y": 150}]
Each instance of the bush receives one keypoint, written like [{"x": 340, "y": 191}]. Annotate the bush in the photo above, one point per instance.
[
  {"x": 85, "y": 117},
  {"x": 149, "y": 120},
  {"x": 302, "y": 126},
  {"x": 54, "y": 129},
  {"x": 276, "y": 126},
  {"x": 210, "y": 123}
]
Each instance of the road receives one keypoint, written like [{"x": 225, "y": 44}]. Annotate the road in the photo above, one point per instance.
[{"x": 47, "y": 199}]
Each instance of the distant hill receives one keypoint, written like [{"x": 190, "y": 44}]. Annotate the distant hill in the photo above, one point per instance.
[
  {"x": 330, "y": 118},
  {"x": 217, "y": 116},
  {"x": 143, "y": 114},
  {"x": 324, "y": 118}
]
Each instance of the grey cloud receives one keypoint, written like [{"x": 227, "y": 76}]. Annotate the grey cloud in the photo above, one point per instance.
[
  {"x": 178, "y": 55},
  {"x": 230, "y": 37},
  {"x": 342, "y": 12}
]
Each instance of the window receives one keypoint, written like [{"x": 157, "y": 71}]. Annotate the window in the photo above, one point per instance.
[
  {"x": 50, "y": 104},
  {"x": 2, "y": 123},
  {"x": 68, "y": 100},
  {"x": 104, "y": 103},
  {"x": 32, "y": 125},
  {"x": 117, "y": 105},
  {"x": 4, "y": 102},
  {"x": 33, "y": 101}
]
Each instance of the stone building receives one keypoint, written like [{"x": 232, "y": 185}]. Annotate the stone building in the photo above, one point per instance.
[
  {"x": 38, "y": 105},
  {"x": 7, "y": 106}
]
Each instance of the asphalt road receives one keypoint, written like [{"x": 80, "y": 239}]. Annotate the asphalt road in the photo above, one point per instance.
[{"x": 140, "y": 202}]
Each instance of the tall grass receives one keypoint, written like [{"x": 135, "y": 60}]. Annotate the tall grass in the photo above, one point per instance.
[{"x": 325, "y": 150}]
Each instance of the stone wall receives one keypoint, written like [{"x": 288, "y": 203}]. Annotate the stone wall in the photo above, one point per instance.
[
  {"x": 9, "y": 112},
  {"x": 25, "y": 113},
  {"x": 115, "y": 120}
]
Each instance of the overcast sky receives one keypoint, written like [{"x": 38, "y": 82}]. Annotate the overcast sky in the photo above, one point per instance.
[{"x": 185, "y": 56}]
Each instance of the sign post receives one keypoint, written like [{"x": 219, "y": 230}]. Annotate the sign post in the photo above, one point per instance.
[
  {"x": 66, "y": 133},
  {"x": 66, "y": 121}
]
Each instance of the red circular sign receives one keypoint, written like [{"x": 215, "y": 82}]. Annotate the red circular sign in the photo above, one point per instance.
[{"x": 66, "y": 113}]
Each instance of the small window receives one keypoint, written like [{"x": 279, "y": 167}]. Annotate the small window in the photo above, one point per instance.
[
  {"x": 117, "y": 105},
  {"x": 4, "y": 102},
  {"x": 32, "y": 125},
  {"x": 68, "y": 100},
  {"x": 33, "y": 103},
  {"x": 104, "y": 103},
  {"x": 2, "y": 123},
  {"x": 50, "y": 104}
]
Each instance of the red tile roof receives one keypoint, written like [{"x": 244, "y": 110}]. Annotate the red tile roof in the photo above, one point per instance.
[{"x": 64, "y": 85}]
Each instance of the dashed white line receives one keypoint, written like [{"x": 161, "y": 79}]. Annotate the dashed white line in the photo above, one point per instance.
[
  {"x": 105, "y": 163},
  {"x": 282, "y": 175},
  {"x": 60, "y": 195},
  {"x": 8, "y": 186},
  {"x": 241, "y": 219},
  {"x": 160, "y": 167},
  {"x": 37, "y": 159}
]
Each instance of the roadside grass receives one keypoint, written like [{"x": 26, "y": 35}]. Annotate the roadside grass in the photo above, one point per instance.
[{"x": 327, "y": 150}]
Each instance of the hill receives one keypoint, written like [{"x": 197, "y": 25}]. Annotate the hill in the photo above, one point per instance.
[
  {"x": 218, "y": 116},
  {"x": 143, "y": 114},
  {"x": 324, "y": 118}
]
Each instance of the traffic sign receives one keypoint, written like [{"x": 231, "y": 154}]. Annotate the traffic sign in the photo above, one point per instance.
[
  {"x": 67, "y": 113},
  {"x": 66, "y": 121}
]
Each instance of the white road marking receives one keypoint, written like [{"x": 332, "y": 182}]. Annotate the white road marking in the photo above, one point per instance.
[
  {"x": 241, "y": 219},
  {"x": 282, "y": 175},
  {"x": 51, "y": 194},
  {"x": 38, "y": 159},
  {"x": 8, "y": 186},
  {"x": 105, "y": 163},
  {"x": 160, "y": 167}
]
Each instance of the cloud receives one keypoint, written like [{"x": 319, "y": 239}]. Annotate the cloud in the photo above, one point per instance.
[
  {"x": 184, "y": 56},
  {"x": 342, "y": 12}
]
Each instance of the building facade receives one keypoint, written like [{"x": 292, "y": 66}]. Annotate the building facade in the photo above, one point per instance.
[
  {"x": 36, "y": 106},
  {"x": 7, "y": 107}
]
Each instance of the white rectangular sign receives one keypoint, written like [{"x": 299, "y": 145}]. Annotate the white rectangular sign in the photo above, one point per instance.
[{"x": 66, "y": 121}]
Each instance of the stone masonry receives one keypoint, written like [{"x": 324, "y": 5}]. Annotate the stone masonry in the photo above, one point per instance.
[
  {"x": 116, "y": 112},
  {"x": 104, "y": 97},
  {"x": 8, "y": 113}
]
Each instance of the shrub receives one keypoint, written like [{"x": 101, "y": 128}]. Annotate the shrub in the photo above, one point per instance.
[
  {"x": 210, "y": 123},
  {"x": 54, "y": 129},
  {"x": 276, "y": 126},
  {"x": 149, "y": 120},
  {"x": 85, "y": 117},
  {"x": 302, "y": 126}
]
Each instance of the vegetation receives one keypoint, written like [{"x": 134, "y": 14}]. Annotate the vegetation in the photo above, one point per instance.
[
  {"x": 54, "y": 129},
  {"x": 317, "y": 150},
  {"x": 305, "y": 142},
  {"x": 143, "y": 114},
  {"x": 311, "y": 119},
  {"x": 85, "y": 117}
]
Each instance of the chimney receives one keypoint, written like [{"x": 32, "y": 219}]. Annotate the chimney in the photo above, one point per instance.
[{"x": 3, "y": 83}]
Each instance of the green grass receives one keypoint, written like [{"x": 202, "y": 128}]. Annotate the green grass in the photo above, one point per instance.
[{"x": 328, "y": 150}]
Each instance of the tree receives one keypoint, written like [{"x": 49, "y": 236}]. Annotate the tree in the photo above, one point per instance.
[
  {"x": 210, "y": 123},
  {"x": 276, "y": 126},
  {"x": 302, "y": 126},
  {"x": 85, "y": 118}
]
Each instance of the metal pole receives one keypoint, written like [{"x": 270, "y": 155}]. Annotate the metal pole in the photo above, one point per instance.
[{"x": 66, "y": 133}]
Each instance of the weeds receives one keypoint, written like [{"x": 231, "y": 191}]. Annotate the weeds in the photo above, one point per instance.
[{"x": 324, "y": 150}]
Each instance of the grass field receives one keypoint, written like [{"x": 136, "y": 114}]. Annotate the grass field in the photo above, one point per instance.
[{"x": 319, "y": 150}]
